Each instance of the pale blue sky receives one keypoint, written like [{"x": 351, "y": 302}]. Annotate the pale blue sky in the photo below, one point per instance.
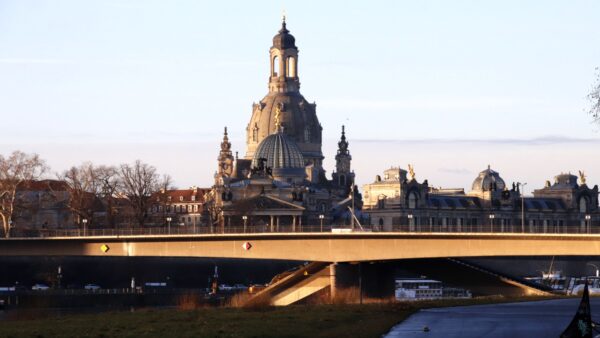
[{"x": 448, "y": 85}]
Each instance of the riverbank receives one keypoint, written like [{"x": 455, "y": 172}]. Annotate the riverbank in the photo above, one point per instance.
[
  {"x": 369, "y": 320},
  {"x": 546, "y": 318}
]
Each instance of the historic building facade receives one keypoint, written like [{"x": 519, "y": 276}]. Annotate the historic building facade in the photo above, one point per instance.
[
  {"x": 179, "y": 207},
  {"x": 281, "y": 182},
  {"x": 399, "y": 199}
]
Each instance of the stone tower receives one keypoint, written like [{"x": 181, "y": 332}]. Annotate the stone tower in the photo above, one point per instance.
[
  {"x": 285, "y": 104},
  {"x": 225, "y": 158},
  {"x": 343, "y": 175}
]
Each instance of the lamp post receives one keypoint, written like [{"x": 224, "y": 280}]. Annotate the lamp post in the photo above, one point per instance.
[
  {"x": 596, "y": 267},
  {"x": 523, "y": 206},
  {"x": 321, "y": 217},
  {"x": 84, "y": 221},
  {"x": 492, "y": 216},
  {"x": 169, "y": 219},
  {"x": 245, "y": 218},
  {"x": 588, "y": 219},
  {"x": 410, "y": 221}
]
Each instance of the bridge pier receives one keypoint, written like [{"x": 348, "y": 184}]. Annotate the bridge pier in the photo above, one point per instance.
[{"x": 369, "y": 279}]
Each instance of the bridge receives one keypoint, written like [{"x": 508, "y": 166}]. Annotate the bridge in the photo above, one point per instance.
[
  {"x": 335, "y": 255},
  {"x": 310, "y": 246}
]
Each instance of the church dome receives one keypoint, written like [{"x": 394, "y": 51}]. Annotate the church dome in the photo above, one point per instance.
[
  {"x": 487, "y": 180},
  {"x": 283, "y": 39},
  {"x": 280, "y": 152}
]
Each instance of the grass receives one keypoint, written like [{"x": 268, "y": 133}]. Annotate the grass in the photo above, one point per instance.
[{"x": 369, "y": 320}]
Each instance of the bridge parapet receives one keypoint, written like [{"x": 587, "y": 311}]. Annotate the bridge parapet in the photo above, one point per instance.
[{"x": 327, "y": 229}]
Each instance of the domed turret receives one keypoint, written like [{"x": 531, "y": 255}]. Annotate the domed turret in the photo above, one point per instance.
[
  {"x": 488, "y": 180},
  {"x": 282, "y": 155},
  {"x": 284, "y": 101},
  {"x": 284, "y": 39}
]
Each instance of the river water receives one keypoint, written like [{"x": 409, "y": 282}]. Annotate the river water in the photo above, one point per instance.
[{"x": 512, "y": 320}]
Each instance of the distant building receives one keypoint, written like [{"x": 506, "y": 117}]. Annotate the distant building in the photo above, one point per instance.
[
  {"x": 184, "y": 206},
  {"x": 396, "y": 199},
  {"x": 42, "y": 205}
]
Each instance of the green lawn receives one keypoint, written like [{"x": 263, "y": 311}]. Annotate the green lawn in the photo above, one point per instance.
[{"x": 370, "y": 320}]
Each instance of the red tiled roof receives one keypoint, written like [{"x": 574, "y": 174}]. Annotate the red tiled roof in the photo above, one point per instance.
[
  {"x": 43, "y": 185},
  {"x": 187, "y": 194}
]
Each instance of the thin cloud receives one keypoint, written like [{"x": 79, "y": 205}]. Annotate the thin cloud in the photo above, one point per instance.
[{"x": 34, "y": 61}]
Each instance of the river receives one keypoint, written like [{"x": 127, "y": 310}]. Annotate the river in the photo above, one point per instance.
[{"x": 514, "y": 320}]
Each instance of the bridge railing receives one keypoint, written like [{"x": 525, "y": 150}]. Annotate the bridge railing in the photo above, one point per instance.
[{"x": 256, "y": 229}]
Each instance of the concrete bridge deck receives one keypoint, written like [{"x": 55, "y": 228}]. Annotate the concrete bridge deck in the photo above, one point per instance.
[{"x": 317, "y": 246}]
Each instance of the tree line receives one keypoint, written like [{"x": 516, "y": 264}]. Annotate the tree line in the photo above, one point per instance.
[{"x": 86, "y": 184}]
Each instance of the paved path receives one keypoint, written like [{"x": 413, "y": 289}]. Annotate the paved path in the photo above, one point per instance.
[{"x": 513, "y": 320}]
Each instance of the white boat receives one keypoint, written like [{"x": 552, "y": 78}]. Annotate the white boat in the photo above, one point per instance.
[{"x": 577, "y": 284}]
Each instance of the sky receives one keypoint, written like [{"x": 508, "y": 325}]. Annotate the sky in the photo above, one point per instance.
[{"x": 449, "y": 87}]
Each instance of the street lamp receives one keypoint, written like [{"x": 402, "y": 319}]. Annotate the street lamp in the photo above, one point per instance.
[
  {"x": 84, "y": 221},
  {"x": 245, "y": 218},
  {"x": 492, "y": 216},
  {"x": 523, "y": 206},
  {"x": 321, "y": 217},
  {"x": 169, "y": 219},
  {"x": 588, "y": 219}
]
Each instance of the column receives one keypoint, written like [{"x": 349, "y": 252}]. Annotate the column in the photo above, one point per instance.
[{"x": 332, "y": 281}]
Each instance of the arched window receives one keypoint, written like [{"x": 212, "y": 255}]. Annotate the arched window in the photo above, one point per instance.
[
  {"x": 255, "y": 133},
  {"x": 307, "y": 134},
  {"x": 380, "y": 221},
  {"x": 412, "y": 200},
  {"x": 291, "y": 67},
  {"x": 342, "y": 180},
  {"x": 582, "y": 205},
  {"x": 275, "y": 66}
]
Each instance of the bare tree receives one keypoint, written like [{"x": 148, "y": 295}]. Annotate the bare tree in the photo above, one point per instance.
[
  {"x": 110, "y": 185},
  {"x": 16, "y": 171},
  {"x": 90, "y": 185},
  {"x": 84, "y": 188},
  {"x": 594, "y": 97},
  {"x": 139, "y": 181}
]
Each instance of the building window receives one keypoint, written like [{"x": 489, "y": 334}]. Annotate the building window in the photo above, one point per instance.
[
  {"x": 196, "y": 208},
  {"x": 307, "y": 134},
  {"x": 193, "y": 197},
  {"x": 168, "y": 208},
  {"x": 380, "y": 221},
  {"x": 255, "y": 133},
  {"x": 180, "y": 198},
  {"x": 291, "y": 67},
  {"x": 412, "y": 200},
  {"x": 322, "y": 207},
  {"x": 275, "y": 66},
  {"x": 582, "y": 205}
]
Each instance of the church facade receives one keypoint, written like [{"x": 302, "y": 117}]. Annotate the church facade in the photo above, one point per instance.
[{"x": 280, "y": 181}]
